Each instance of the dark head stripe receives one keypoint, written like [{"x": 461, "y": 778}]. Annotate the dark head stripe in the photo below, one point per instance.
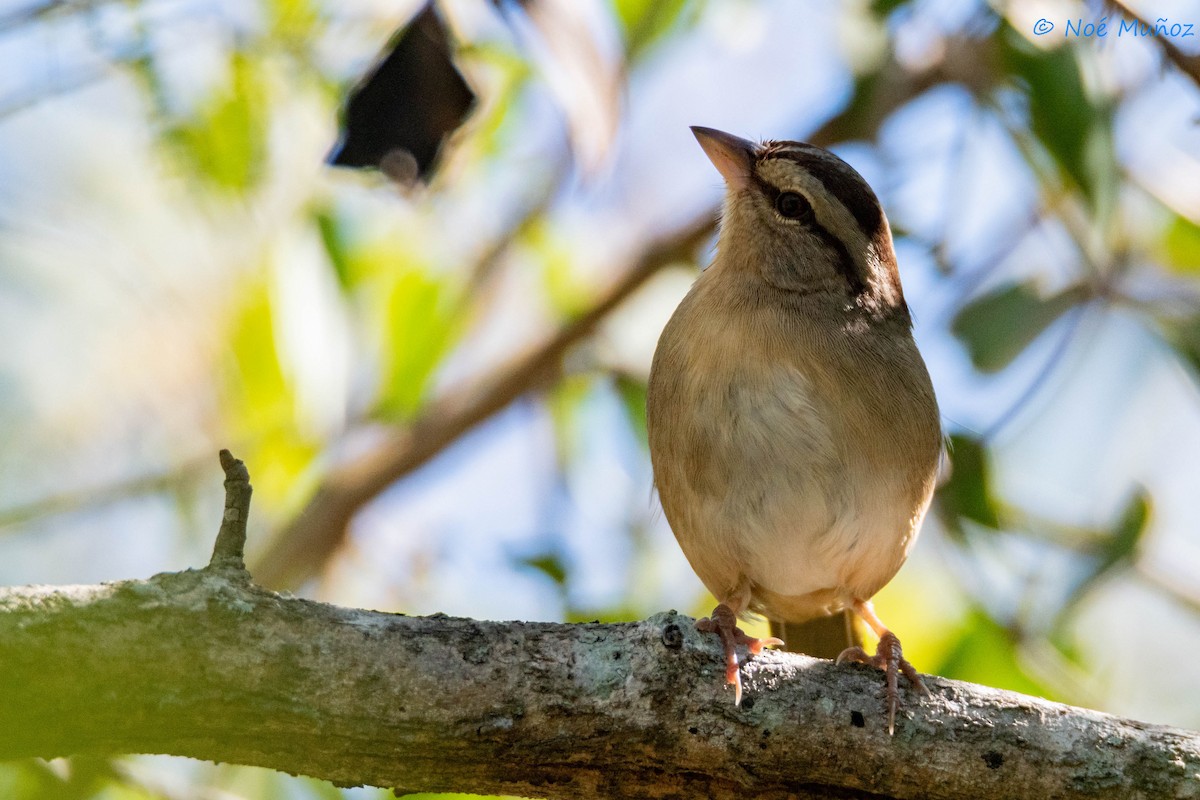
[
  {"x": 845, "y": 264},
  {"x": 838, "y": 178}
]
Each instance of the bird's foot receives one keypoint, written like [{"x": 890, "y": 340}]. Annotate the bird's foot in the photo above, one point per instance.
[
  {"x": 723, "y": 622},
  {"x": 889, "y": 658}
]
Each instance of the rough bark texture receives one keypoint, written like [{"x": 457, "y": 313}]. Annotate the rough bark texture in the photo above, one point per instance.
[{"x": 204, "y": 664}]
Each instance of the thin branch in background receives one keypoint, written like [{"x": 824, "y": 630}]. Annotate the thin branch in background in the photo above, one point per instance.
[
  {"x": 1183, "y": 592},
  {"x": 38, "y": 12},
  {"x": 1072, "y": 322},
  {"x": 188, "y": 472},
  {"x": 1189, "y": 65},
  {"x": 967, "y": 284}
]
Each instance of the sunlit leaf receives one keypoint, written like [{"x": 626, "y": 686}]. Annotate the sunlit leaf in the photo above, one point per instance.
[
  {"x": 293, "y": 21},
  {"x": 29, "y": 780},
  {"x": 567, "y": 293},
  {"x": 643, "y": 22},
  {"x": 998, "y": 326},
  {"x": 968, "y": 492},
  {"x": 126, "y": 791},
  {"x": 260, "y": 399},
  {"x": 494, "y": 119},
  {"x": 986, "y": 653},
  {"x": 1180, "y": 248},
  {"x": 321, "y": 790},
  {"x": 421, "y": 324},
  {"x": 564, "y": 401},
  {"x": 225, "y": 141}
]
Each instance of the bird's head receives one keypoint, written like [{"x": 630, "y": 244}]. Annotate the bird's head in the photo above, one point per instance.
[{"x": 804, "y": 219}]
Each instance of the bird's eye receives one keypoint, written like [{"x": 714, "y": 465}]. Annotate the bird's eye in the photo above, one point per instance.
[{"x": 792, "y": 206}]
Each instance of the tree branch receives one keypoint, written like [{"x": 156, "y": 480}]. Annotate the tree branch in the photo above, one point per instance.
[
  {"x": 1189, "y": 65},
  {"x": 205, "y": 664}
]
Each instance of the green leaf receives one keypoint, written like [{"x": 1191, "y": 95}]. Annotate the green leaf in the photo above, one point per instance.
[
  {"x": 967, "y": 495},
  {"x": 998, "y": 326},
  {"x": 987, "y": 653},
  {"x": 30, "y": 780},
  {"x": 1180, "y": 247},
  {"x": 644, "y": 22},
  {"x": 421, "y": 322},
  {"x": 337, "y": 246},
  {"x": 633, "y": 397},
  {"x": 225, "y": 141},
  {"x": 883, "y": 8},
  {"x": 293, "y": 21},
  {"x": 549, "y": 564},
  {"x": 1074, "y": 130},
  {"x": 568, "y": 294},
  {"x": 1127, "y": 533}
]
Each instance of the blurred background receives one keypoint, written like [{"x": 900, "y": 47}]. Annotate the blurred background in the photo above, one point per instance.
[{"x": 435, "y": 370}]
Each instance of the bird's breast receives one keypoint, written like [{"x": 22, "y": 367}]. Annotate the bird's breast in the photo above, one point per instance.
[{"x": 788, "y": 454}]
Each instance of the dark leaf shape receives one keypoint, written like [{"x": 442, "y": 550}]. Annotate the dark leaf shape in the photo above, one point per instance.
[
  {"x": 549, "y": 564},
  {"x": 1184, "y": 337},
  {"x": 883, "y": 8},
  {"x": 968, "y": 492},
  {"x": 333, "y": 237},
  {"x": 999, "y": 325},
  {"x": 1127, "y": 534},
  {"x": 1118, "y": 548},
  {"x": 1071, "y": 126},
  {"x": 398, "y": 116}
]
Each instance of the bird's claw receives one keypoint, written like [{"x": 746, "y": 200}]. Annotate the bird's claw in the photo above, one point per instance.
[
  {"x": 723, "y": 622},
  {"x": 889, "y": 658}
]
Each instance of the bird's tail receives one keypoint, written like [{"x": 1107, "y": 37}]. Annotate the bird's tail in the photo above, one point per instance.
[{"x": 824, "y": 637}]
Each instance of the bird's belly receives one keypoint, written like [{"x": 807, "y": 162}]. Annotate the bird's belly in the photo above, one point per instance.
[{"x": 771, "y": 494}]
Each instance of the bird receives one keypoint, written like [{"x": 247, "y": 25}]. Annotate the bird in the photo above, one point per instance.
[{"x": 794, "y": 433}]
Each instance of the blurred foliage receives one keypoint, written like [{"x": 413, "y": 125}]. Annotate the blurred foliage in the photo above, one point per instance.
[
  {"x": 261, "y": 397},
  {"x": 224, "y": 142},
  {"x": 967, "y": 494},
  {"x": 1073, "y": 127},
  {"x": 644, "y": 22},
  {"x": 998, "y": 326},
  {"x": 415, "y": 279}
]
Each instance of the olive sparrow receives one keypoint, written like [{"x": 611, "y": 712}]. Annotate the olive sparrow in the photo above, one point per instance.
[{"x": 793, "y": 429}]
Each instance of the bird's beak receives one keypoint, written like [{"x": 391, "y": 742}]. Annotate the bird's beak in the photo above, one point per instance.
[{"x": 731, "y": 155}]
